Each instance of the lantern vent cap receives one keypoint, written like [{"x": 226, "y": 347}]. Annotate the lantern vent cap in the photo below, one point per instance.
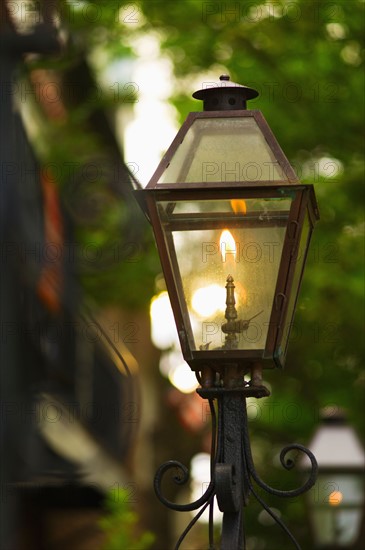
[{"x": 226, "y": 95}]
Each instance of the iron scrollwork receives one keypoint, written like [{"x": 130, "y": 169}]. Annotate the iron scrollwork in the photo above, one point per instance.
[{"x": 233, "y": 474}]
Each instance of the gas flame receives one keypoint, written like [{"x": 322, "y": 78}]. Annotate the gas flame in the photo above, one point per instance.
[
  {"x": 227, "y": 245},
  {"x": 239, "y": 206},
  {"x": 335, "y": 498}
]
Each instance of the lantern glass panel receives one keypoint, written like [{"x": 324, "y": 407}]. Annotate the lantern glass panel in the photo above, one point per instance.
[
  {"x": 299, "y": 259},
  {"x": 208, "y": 240},
  {"x": 223, "y": 149}
]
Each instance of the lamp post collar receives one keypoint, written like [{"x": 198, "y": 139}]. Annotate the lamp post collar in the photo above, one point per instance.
[{"x": 225, "y": 96}]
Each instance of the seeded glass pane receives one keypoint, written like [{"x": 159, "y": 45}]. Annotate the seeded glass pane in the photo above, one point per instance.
[
  {"x": 210, "y": 240},
  {"x": 223, "y": 149}
]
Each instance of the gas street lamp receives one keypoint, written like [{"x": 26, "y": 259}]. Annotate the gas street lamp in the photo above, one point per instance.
[
  {"x": 336, "y": 503},
  {"x": 232, "y": 224}
]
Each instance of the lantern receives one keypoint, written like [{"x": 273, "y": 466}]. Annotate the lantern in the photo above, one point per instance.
[
  {"x": 232, "y": 224},
  {"x": 336, "y": 502}
]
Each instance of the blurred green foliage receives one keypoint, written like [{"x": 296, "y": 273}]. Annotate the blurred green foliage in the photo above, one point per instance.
[{"x": 120, "y": 524}]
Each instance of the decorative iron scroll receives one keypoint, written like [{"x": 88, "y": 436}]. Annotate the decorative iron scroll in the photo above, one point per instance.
[{"x": 231, "y": 483}]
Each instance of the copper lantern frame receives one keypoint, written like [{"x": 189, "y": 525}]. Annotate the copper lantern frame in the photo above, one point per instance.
[{"x": 303, "y": 207}]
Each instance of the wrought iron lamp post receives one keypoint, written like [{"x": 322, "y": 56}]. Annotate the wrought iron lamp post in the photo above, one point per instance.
[
  {"x": 232, "y": 224},
  {"x": 337, "y": 502}
]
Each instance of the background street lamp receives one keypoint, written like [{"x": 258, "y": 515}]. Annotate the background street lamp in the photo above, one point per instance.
[
  {"x": 233, "y": 225},
  {"x": 337, "y": 501}
]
